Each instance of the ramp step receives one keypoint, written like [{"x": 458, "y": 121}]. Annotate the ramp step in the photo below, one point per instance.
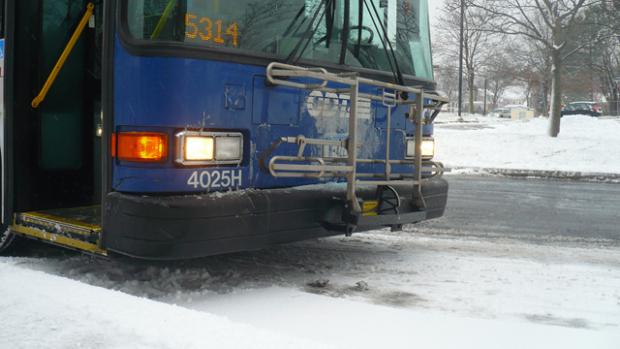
[{"x": 77, "y": 228}]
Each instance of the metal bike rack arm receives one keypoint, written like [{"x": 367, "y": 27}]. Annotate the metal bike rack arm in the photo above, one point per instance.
[
  {"x": 352, "y": 149},
  {"x": 419, "y": 134},
  {"x": 391, "y": 96}
]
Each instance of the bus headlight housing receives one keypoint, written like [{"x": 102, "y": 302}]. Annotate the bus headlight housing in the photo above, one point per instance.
[
  {"x": 428, "y": 148},
  {"x": 209, "y": 148},
  {"x": 197, "y": 148},
  {"x": 228, "y": 148}
]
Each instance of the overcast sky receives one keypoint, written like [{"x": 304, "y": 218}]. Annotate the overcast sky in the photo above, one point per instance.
[{"x": 434, "y": 6}]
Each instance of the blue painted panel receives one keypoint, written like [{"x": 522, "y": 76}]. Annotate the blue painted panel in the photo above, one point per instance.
[
  {"x": 172, "y": 94},
  {"x": 272, "y": 106}
]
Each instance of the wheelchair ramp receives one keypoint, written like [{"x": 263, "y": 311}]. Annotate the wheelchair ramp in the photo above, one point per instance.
[{"x": 75, "y": 228}]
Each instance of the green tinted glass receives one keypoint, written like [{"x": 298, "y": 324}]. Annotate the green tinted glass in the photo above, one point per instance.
[{"x": 312, "y": 30}]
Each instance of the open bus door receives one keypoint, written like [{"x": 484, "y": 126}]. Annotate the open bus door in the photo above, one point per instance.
[
  {"x": 6, "y": 211},
  {"x": 51, "y": 145}
]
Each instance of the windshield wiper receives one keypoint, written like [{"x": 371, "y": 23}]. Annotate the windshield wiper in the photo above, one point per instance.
[
  {"x": 330, "y": 17},
  {"x": 345, "y": 31},
  {"x": 305, "y": 40},
  {"x": 360, "y": 27},
  {"x": 387, "y": 45},
  {"x": 289, "y": 29},
  {"x": 326, "y": 9}
]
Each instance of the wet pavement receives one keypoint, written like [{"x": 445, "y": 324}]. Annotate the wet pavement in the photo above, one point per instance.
[{"x": 531, "y": 208}]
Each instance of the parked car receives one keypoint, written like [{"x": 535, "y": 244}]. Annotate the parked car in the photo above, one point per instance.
[
  {"x": 583, "y": 108},
  {"x": 508, "y": 112},
  {"x": 501, "y": 113}
]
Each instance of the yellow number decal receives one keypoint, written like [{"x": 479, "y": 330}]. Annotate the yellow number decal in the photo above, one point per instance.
[
  {"x": 218, "y": 38},
  {"x": 191, "y": 29},
  {"x": 233, "y": 31},
  {"x": 205, "y": 31},
  {"x": 208, "y": 27}
]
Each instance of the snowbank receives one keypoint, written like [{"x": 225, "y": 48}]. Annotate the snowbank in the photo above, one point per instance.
[
  {"x": 585, "y": 144},
  {"x": 424, "y": 291},
  {"x": 38, "y": 310}
]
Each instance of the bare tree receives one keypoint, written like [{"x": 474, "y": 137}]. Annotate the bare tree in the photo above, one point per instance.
[
  {"x": 532, "y": 70},
  {"x": 446, "y": 77},
  {"x": 475, "y": 42},
  {"x": 595, "y": 65},
  {"x": 500, "y": 72},
  {"x": 607, "y": 61},
  {"x": 544, "y": 21}
]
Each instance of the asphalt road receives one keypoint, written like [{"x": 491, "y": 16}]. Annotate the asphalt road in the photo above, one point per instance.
[{"x": 531, "y": 208}]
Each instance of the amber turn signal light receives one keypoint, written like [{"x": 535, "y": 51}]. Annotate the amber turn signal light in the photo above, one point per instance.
[{"x": 140, "y": 146}]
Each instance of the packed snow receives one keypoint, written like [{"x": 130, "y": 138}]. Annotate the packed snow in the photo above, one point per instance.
[
  {"x": 392, "y": 290},
  {"x": 39, "y": 310},
  {"x": 585, "y": 144}
]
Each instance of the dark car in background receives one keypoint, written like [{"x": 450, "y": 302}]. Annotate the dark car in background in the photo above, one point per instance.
[{"x": 583, "y": 108}]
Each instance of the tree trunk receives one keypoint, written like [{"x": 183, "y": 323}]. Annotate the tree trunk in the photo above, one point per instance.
[
  {"x": 470, "y": 84},
  {"x": 556, "y": 93},
  {"x": 495, "y": 100},
  {"x": 544, "y": 97}
]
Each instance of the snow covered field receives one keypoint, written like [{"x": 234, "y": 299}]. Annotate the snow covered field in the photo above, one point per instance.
[
  {"x": 585, "y": 144},
  {"x": 377, "y": 290}
]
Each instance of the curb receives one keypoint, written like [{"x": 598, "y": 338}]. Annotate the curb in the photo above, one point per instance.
[{"x": 540, "y": 174}]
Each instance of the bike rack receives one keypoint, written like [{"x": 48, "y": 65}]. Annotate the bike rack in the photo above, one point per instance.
[{"x": 390, "y": 95}]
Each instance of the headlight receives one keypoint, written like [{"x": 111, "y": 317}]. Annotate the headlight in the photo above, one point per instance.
[
  {"x": 228, "y": 148},
  {"x": 428, "y": 148},
  {"x": 209, "y": 148},
  {"x": 199, "y": 148}
]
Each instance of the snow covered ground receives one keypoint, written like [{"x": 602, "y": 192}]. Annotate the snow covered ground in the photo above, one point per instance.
[
  {"x": 45, "y": 311},
  {"x": 421, "y": 288},
  {"x": 378, "y": 290},
  {"x": 585, "y": 144}
]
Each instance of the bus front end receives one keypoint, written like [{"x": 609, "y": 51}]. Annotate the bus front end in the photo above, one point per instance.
[{"x": 239, "y": 125}]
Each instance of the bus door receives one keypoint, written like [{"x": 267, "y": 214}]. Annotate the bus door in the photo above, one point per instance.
[
  {"x": 5, "y": 199},
  {"x": 55, "y": 140}
]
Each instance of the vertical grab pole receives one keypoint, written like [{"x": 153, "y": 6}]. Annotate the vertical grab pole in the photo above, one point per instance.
[
  {"x": 63, "y": 57},
  {"x": 419, "y": 134},
  {"x": 388, "y": 145},
  {"x": 352, "y": 149}
]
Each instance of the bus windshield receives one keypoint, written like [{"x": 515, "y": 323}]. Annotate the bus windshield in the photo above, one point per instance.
[{"x": 309, "y": 30}]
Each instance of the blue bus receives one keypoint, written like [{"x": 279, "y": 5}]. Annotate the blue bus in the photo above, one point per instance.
[{"x": 177, "y": 129}]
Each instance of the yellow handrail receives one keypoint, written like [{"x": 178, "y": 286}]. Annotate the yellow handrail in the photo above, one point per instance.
[
  {"x": 163, "y": 20},
  {"x": 63, "y": 58}
]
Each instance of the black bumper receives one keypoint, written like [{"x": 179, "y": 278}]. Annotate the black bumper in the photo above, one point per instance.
[{"x": 192, "y": 226}]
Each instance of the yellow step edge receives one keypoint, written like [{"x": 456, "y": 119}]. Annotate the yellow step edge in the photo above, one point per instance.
[
  {"x": 53, "y": 219},
  {"x": 369, "y": 208},
  {"x": 58, "y": 239}
]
